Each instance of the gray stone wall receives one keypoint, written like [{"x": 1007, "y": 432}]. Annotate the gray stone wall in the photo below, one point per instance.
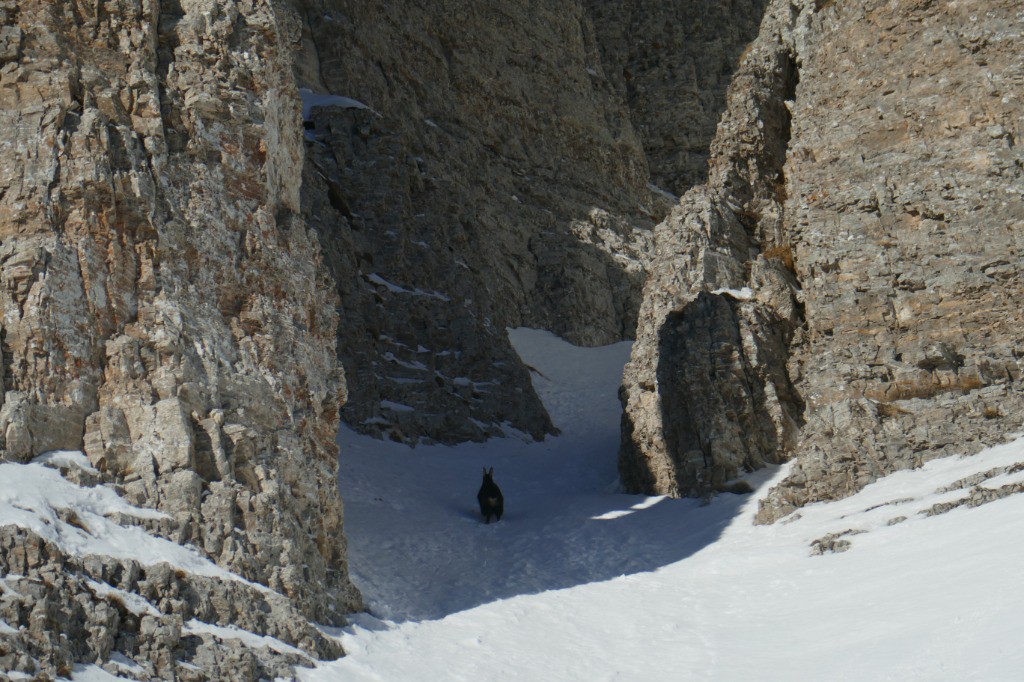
[
  {"x": 501, "y": 177},
  {"x": 707, "y": 394},
  {"x": 165, "y": 307},
  {"x": 865, "y": 185},
  {"x": 672, "y": 61},
  {"x": 495, "y": 181},
  {"x": 906, "y": 202}
]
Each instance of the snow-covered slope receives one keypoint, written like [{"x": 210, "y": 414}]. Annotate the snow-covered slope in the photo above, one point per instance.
[
  {"x": 34, "y": 496},
  {"x": 578, "y": 582}
]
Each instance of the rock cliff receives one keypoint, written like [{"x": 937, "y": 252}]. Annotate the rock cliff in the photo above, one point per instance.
[
  {"x": 500, "y": 174},
  {"x": 493, "y": 180},
  {"x": 166, "y": 309},
  {"x": 840, "y": 289},
  {"x": 671, "y": 62},
  {"x": 905, "y": 214},
  {"x": 707, "y": 393}
]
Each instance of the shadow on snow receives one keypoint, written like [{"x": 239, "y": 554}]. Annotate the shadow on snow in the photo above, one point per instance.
[{"x": 419, "y": 549}]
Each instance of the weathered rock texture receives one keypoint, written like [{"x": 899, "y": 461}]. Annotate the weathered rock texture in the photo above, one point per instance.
[
  {"x": 672, "y": 61},
  {"x": 139, "y": 621},
  {"x": 866, "y": 184},
  {"x": 175, "y": 250},
  {"x": 496, "y": 181},
  {"x": 706, "y": 392},
  {"x": 165, "y": 306},
  {"x": 906, "y": 216}
]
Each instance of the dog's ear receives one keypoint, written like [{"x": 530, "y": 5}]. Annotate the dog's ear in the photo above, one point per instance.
[
  {"x": 485, "y": 471},
  {"x": 491, "y": 472}
]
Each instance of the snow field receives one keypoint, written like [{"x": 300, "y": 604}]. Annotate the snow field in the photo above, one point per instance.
[
  {"x": 579, "y": 582},
  {"x": 75, "y": 518}
]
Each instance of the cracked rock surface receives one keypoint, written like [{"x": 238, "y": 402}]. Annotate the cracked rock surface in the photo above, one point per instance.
[
  {"x": 165, "y": 308},
  {"x": 865, "y": 201}
]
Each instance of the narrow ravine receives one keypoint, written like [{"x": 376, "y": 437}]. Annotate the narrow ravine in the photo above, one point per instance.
[{"x": 417, "y": 545}]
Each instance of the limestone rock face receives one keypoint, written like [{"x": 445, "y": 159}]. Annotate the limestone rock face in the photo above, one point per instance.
[
  {"x": 672, "y": 61},
  {"x": 174, "y": 254},
  {"x": 866, "y": 186},
  {"x": 706, "y": 393},
  {"x": 495, "y": 180},
  {"x": 906, "y": 216},
  {"x": 183, "y": 265},
  {"x": 165, "y": 306},
  {"x": 137, "y": 619},
  {"x": 186, "y": 262},
  {"x": 498, "y": 175}
]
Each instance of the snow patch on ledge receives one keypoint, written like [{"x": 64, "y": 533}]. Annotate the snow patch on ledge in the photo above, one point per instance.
[
  {"x": 135, "y": 603},
  {"x": 37, "y": 498},
  {"x": 312, "y": 99},
  {"x": 91, "y": 672},
  {"x": 250, "y": 639},
  {"x": 395, "y": 407},
  {"x": 663, "y": 192},
  {"x": 65, "y": 459},
  {"x": 744, "y": 294},
  {"x": 374, "y": 278}
]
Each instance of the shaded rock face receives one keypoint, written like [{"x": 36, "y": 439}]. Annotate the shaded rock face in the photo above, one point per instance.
[
  {"x": 495, "y": 181},
  {"x": 881, "y": 271},
  {"x": 501, "y": 176},
  {"x": 673, "y": 62},
  {"x": 165, "y": 306},
  {"x": 706, "y": 393}
]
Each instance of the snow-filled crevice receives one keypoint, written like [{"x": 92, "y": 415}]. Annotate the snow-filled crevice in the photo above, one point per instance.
[{"x": 419, "y": 549}]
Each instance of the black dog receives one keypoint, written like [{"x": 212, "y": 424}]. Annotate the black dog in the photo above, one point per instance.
[{"x": 491, "y": 501}]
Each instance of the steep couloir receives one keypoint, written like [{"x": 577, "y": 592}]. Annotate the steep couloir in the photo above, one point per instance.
[
  {"x": 499, "y": 175},
  {"x": 185, "y": 268},
  {"x": 495, "y": 180}
]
